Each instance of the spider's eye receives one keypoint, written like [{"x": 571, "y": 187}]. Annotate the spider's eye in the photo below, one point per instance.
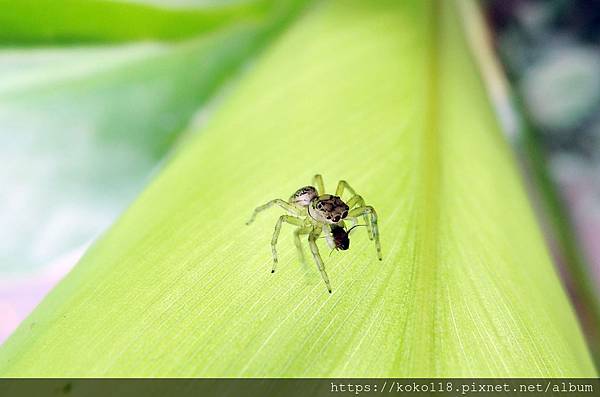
[
  {"x": 345, "y": 214},
  {"x": 347, "y": 208},
  {"x": 328, "y": 217},
  {"x": 336, "y": 219}
]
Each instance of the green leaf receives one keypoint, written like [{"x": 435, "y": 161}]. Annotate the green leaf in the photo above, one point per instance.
[
  {"x": 385, "y": 95},
  {"x": 72, "y": 21},
  {"x": 64, "y": 112},
  {"x": 82, "y": 127}
]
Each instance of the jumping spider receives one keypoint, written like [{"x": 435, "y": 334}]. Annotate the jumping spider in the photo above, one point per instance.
[{"x": 315, "y": 212}]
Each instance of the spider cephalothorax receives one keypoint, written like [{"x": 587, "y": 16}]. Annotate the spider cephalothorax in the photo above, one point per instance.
[
  {"x": 328, "y": 208},
  {"x": 314, "y": 212}
]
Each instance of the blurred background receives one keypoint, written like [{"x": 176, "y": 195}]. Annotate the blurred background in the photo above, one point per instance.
[
  {"x": 550, "y": 51},
  {"x": 85, "y": 123}
]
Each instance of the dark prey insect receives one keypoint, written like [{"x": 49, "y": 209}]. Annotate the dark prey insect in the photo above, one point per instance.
[
  {"x": 314, "y": 212},
  {"x": 341, "y": 237}
]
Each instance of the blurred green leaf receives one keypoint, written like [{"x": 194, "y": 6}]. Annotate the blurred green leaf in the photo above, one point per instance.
[
  {"x": 82, "y": 127},
  {"x": 385, "y": 95},
  {"x": 75, "y": 21}
]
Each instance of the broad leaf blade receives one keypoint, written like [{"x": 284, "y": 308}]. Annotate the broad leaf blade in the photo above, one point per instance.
[{"x": 388, "y": 99}]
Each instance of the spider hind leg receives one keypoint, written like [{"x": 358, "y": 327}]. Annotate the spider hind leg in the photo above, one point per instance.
[{"x": 318, "y": 183}]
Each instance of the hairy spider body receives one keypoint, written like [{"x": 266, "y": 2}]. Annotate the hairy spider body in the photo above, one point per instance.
[{"x": 314, "y": 212}]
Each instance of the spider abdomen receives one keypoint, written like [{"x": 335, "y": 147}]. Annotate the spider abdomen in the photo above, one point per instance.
[{"x": 304, "y": 196}]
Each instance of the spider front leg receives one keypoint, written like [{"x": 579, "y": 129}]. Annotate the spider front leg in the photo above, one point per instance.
[
  {"x": 318, "y": 183},
  {"x": 312, "y": 242},
  {"x": 282, "y": 203},
  {"x": 357, "y": 200},
  {"x": 370, "y": 211},
  {"x": 283, "y": 218}
]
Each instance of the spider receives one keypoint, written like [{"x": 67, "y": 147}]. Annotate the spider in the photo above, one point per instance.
[{"x": 314, "y": 212}]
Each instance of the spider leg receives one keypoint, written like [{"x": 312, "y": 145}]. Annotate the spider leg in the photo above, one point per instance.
[
  {"x": 282, "y": 203},
  {"x": 297, "y": 233},
  {"x": 312, "y": 241},
  {"x": 328, "y": 237},
  {"x": 283, "y": 218},
  {"x": 318, "y": 183},
  {"x": 370, "y": 211},
  {"x": 344, "y": 185},
  {"x": 357, "y": 200}
]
